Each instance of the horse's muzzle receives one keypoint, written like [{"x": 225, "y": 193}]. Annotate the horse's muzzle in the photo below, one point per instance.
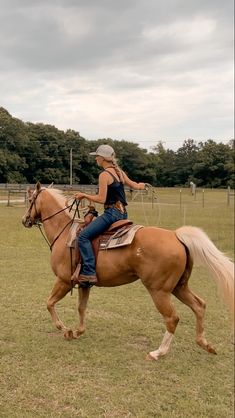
[{"x": 27, "y": 221}]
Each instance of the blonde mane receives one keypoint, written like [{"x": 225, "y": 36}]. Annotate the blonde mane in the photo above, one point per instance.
[{"x": 59, "y": 196}]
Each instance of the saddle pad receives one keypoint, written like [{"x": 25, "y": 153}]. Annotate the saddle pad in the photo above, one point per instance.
[
  {"x": 72, "y": 233},
  {"x": 120, "y": 238}
]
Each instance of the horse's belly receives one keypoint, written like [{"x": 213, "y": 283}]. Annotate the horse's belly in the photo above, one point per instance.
[
  {"x": 114, "y": 268},
  {"x": 115, "y": 281}
]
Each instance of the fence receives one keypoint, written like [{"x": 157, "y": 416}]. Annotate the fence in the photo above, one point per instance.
[{"x": 11, "y": 194}]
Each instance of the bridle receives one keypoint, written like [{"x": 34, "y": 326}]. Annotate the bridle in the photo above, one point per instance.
[{"x": 38, "y": 221}]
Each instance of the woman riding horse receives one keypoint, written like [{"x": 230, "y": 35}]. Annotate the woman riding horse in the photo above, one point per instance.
[{"x": 111, "y": 192}]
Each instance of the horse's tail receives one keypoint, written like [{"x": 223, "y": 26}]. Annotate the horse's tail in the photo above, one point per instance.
[{"x": 205, "y": 253}]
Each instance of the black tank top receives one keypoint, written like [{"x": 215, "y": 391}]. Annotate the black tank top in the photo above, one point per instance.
[{"x": 115, "y": 192}]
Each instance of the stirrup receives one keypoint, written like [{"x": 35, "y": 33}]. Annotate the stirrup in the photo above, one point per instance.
[
  {"x": 75, "y": 275},
  {"x": 85, "y": 285}
]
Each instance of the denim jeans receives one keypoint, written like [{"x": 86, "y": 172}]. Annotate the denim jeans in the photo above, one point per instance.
[{"x": 95, "y": 228}]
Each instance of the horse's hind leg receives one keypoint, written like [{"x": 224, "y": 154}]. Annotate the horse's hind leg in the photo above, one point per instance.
[
  {"x": 82, "y": 304},
  {"x": 59, "y": 290},
  {"x": 198, "y": 306},
  {"x": 163, "y": 303}
]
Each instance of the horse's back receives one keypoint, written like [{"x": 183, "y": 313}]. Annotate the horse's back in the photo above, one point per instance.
[
  {"x": 159, "y": 240},
  {"x": 153, "y": 252}
]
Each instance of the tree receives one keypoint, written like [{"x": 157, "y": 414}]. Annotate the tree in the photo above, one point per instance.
[
  {"x": 214, "y": 164},
  {"x": 166, "y": 171},
  {"x": 186, "y": 158},
  {"x": 13, "y": 143},
  {"x": 31, "y": 152}
]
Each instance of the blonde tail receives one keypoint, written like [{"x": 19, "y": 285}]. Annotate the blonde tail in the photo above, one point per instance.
[{"x": 205, "y": 253}]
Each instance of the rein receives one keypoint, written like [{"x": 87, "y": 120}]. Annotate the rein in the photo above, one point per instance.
[{"x": 70, "y": 222}]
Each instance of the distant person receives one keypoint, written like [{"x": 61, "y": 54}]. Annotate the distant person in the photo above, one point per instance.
[
  {"x": 192, "y": 187},
  {"x": 112, "y": 194}
]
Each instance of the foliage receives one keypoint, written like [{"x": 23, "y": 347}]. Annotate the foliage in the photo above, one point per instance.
[
  {"x": 214, "y": 164},
  {"x": 31, "y": 152}
]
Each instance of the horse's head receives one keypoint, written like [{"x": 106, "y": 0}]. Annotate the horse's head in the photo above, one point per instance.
[{"x": 33, "y": 214}]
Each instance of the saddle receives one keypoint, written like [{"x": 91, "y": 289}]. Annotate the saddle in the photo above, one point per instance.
[{"x": 120, "y": 233}]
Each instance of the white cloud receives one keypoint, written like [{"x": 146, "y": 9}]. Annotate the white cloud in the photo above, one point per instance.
[
  {"x": 127, "y": 70},
  {"x": 193, "y": 31}
]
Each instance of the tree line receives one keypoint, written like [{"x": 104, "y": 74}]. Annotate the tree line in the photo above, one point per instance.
[{"x": 34, "y": 151}]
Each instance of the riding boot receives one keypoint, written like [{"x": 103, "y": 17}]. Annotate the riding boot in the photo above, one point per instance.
[
  {"x": 81, "y": 278},
  {"x": 92, "y": 279}
]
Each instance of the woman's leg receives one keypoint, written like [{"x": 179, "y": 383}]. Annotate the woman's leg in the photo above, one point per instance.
[{"x": 95, "y": 228}]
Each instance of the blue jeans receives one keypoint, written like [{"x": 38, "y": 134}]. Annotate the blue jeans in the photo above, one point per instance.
[{"x": 95, "y": 228}]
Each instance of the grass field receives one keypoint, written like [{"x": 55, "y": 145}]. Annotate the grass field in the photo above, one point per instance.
[{"x": 104, "y": 374}]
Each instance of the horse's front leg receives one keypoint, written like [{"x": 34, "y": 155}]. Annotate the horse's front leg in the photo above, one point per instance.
[
  {"x": 82, "y": 305},
  {"x": 60, "y": 289}
]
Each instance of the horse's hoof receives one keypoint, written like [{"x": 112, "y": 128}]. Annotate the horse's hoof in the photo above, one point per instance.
[
  {"x": 211, "y": 349},
  {"x": 149, "y": 357},
  {"x": 77, "y": 334},
  {"x": 68, "y": 335}
]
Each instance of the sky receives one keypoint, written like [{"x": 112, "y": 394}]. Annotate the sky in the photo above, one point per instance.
[{"x": 137, "y": 70}]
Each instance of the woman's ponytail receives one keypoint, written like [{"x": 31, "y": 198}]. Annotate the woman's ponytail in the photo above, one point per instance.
[{"x": 118, "y": 169}]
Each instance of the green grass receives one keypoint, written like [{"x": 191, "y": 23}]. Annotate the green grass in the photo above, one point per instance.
[{"x": 104, "y": 374}]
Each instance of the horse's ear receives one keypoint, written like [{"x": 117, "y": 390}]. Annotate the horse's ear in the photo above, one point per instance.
[
  {"x": 38, "y": 186},
  {"x": 29, "y": 191},
  {"x": 51, "y": 185}
]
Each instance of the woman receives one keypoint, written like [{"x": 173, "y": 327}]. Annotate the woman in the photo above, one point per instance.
[{"x": 111, "y": 193}]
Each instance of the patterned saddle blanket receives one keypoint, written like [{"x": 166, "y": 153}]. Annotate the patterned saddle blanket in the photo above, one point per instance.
[{"x": 119, "y": 234}]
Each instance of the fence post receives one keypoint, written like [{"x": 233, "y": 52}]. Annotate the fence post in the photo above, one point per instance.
[
  {"x": 8, "y": 198},
  {"x": 26, "y": 198},
  {"x": 228, "y": 196},
  {"x": 203, "y": 198},
  {"x": 184, "y": 217}
]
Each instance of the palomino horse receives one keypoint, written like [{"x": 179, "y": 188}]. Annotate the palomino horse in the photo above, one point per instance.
[{"x": 160, "y": 258}]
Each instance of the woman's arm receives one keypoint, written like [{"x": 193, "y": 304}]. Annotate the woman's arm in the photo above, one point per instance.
[
  {"x": 133, "y": 184},
  {"x": 101, "y": 196}
]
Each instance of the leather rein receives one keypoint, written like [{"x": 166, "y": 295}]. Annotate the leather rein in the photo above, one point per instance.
[{"x": 38, "y": 222}]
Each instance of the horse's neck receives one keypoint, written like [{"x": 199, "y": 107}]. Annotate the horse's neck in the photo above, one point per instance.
[{"x": 56, "y": 222}]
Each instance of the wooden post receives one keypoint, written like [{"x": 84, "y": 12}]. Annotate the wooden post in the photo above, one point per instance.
[
  {"x": 228, "y": 196},
  {"x": 184, "y": 217},
  {"x": 203, "y": 198},
  {"x": 180, "y": 198},
  {"x": 71, "y": 167},
  {"x": 8, "y": 198}
]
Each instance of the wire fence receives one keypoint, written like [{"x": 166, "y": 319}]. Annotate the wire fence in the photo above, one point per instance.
[{"x": 16, "y": 194}]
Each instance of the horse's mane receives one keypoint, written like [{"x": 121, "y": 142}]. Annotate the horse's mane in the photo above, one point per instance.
[{"x": 58, "y": 195}]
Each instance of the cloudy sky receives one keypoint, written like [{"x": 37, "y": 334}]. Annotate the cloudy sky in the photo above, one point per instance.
[{"x": 139, "y": 70}]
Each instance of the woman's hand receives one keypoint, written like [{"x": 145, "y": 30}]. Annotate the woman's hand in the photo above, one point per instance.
[
  {"x": 79, "y": 195},
  {"x": 141, "y": 186},
  {"x": 144, "y": 186},
  {"x": 147, "y": 186}
]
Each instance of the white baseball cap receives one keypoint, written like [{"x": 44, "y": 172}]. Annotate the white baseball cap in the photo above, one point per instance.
[{"x": 105, "y": 151}]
